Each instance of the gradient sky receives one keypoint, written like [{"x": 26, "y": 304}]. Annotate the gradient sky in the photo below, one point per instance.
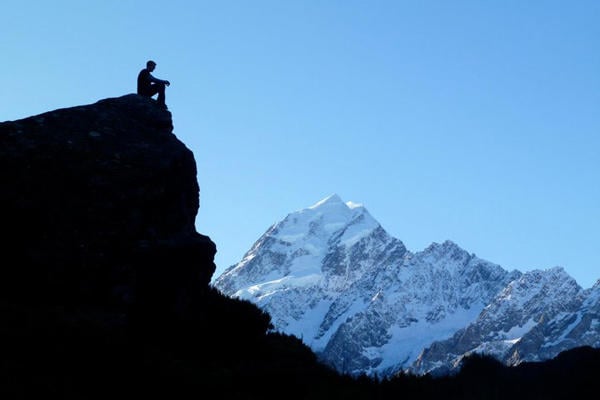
[{"x": 474, "y": 121}]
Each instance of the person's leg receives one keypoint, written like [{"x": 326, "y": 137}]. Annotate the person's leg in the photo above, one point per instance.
[
  {"x": 160, "y": 89},
  {"x": 161, "y": 93}
]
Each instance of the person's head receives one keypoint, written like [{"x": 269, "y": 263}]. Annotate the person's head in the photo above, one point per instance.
[{"x": 150, "y": 65}]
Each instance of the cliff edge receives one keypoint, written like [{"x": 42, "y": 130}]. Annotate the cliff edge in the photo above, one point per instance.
[{"x": 98, "y": 205}]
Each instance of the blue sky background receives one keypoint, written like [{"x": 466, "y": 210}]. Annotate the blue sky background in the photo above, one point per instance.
[{"x": 474, "y": 121}]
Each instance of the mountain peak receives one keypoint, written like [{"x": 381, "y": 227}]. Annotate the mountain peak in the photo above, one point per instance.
[
  {"x": 331, "y": 275},
  {"x": 445, "y": 248},
  {"x": 332, "y": 199}
]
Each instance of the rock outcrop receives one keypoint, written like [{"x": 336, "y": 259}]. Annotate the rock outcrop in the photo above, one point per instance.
[
  {"x": 98, "y": 203},
  {"x": 101, "y": 265}
]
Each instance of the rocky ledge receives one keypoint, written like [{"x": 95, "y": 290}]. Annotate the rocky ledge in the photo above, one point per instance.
[{"x": 98, "y": 209}]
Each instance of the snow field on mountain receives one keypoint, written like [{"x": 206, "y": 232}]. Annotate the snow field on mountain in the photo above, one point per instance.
[{"x": 331, "y": 276}]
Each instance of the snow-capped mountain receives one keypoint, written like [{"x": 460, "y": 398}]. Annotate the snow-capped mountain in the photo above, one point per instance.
[{"x": 332, "y": 276}]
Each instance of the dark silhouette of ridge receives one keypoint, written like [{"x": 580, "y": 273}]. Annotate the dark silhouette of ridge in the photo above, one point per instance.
[{"x": 104, "y": 282}]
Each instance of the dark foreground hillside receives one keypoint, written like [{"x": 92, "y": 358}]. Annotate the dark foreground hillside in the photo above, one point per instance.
[{"x": 104, "y": 282}]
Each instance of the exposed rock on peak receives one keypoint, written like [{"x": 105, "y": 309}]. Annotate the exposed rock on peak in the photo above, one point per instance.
[
  {"x": 332, "y": 199},
  {"x": 331, "y": 275},
  {"x": 525, "y": 303}
]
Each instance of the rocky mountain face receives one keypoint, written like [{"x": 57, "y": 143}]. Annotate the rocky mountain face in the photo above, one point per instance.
[
  {"x": 333, "y": 277},
  {"x": 561, "y": 330},
  {"x": 505, "y": 325}
]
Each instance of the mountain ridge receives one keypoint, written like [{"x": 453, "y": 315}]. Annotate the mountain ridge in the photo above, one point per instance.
[{"x": 366, "y": 304}]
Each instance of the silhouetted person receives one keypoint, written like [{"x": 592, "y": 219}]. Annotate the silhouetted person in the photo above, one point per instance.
[{"x": 148, "y": 85}]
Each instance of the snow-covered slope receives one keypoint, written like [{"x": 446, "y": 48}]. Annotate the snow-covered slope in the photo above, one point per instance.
[
  {"x": 332, "y": 276},
  {"x": 523, "y": 305},
  {"x": 566, "y": 329},
  {"x": 301, "y": 265}
]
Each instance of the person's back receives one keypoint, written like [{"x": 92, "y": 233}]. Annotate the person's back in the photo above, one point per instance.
[{"x": 143, "y": 83}]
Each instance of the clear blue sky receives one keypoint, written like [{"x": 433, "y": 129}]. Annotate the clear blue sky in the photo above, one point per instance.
[{"x": 474, "y": 121}]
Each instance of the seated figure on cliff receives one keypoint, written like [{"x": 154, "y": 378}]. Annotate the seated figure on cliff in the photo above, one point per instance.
[{"x": 148, "y": 85}]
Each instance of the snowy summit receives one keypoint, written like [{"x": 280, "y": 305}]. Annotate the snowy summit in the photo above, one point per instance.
[{"x": 332, "y": 276}]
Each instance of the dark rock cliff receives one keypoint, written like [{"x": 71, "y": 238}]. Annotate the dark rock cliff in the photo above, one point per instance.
[
  {"x": 98, "y": 206},
  {"x": 101, "y": 265}
]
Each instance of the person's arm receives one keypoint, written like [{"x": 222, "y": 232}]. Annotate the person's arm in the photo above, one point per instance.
[{"x": 156, "y": 80}]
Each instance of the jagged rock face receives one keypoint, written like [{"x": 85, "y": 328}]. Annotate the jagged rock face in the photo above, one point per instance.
[
  {"x": 416, "y": 300},
  {"x": 97, "y": 201},
  {"x": 332, "y": 276},
  {"x": 562, "y": 330},
  {"x": 516, "y": 311}
]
